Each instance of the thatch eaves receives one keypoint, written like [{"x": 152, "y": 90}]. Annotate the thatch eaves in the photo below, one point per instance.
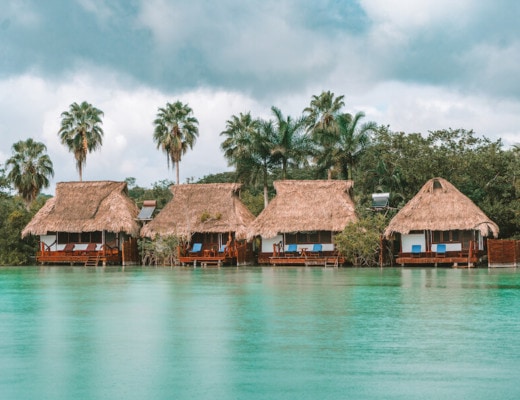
[
  {"x": 86, "y": 207},
  {"x": 440, "y": 206},
  {"x": 204, "y": 208},
  {"x": 305, "y": 206}
]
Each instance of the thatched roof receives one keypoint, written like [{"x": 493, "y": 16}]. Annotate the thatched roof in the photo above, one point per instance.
[
  {"x": 304, "y": 206},
  {"x": 439, "y": 206},
  {"x": 86, "y": 207},
  {"x": 204, "y": 208}
]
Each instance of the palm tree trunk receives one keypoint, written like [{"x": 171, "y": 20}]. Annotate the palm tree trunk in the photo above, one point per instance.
[
  {"x": 266, "y": 195},
  {"x": 177, "y": 171}
]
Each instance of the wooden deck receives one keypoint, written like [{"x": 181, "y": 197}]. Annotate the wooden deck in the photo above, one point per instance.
[
  {"x": 206, "y": 260},
  {"x": 237, "y": 254},
  {"x": 79, "y": 257},
  {"x": 455, "y": 260},
  {"x": 309, "y": 260}
]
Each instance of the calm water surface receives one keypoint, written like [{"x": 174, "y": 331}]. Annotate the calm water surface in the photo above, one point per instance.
[{"x": 259, "y": 333}]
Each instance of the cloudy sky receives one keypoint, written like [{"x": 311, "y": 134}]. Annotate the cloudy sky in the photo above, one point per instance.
[{"x": 415, "y": 65}]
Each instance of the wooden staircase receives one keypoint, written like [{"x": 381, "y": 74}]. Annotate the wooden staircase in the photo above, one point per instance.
[{"x": 92, "y": 261}]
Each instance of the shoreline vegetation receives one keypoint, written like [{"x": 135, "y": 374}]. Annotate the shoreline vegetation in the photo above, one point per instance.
[{"x": 325, "y": 142}]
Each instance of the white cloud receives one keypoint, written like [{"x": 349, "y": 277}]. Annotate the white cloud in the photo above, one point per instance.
[
  {"x": 21, "y": 13},
  {"x": 421, "y": 108},
  {"x": 407, "y": 15},
  {"x": 100, "y": 8}
]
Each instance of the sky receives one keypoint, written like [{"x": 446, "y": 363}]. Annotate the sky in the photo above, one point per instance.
[{"x": 414, "y": 65}]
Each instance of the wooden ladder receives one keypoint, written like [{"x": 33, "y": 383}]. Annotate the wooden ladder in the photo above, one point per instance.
[{"x": 92, "y": 261}]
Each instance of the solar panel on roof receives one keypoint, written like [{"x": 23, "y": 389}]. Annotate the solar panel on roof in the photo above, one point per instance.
[
  {"x": 380, "y": 200},
  {"x": 146, "y": 213},
  {"x": 147, "y": 210}
]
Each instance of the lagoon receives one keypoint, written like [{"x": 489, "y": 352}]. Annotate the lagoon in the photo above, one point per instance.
[{"x": 259, "y": 333}]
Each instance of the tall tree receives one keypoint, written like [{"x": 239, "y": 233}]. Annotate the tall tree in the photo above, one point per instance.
[
  {"x": 322, "y": 112},
  {"x": 320, "y": 119},
  {"x": 176, "y": 131},
  {"x": 290, "y": 146},
  {"x": 248, "y": 147},
  {"x": 29, "y": 169},
  {"x": 81, "y": 132},
  {"x": 239, "y": 133},
  {"x": 352, "y": 139}
]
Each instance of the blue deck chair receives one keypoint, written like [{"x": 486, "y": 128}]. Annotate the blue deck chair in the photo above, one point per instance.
[
  {"x": 196, "y": 248},
  {"x": 292, "y": 248},
  {"x": 223, "y": 250},
  {"x": 316, "y": 249},
  {"x": 416, "y": 250},
  {"x": 441, "y": 250}
]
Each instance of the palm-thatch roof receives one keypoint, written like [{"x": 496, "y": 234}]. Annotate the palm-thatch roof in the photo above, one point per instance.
[
  {"x": 305, "y": 206},
  {"x": 86, "y": 207},
  {"x": 202, "y": 208},
  {"x": 440, "y": 206}
]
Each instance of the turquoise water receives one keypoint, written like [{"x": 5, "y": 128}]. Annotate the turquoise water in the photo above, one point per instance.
[{"x": 259, "y": 333}]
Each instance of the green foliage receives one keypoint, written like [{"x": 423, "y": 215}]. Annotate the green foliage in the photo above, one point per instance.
[
  {"x": 176, "y": 131},
  {"x": 13, "y": 218},
  {"x": 223, "y": 177},
  {"x": 159, "y": 192},
  {"x": 253, "y": 202},
  {"x": 360, "y": 242},
  {"x": 163, "y": 250},
  {"x": 81, "y": 132},
  {"x": 29, "y": 169}
]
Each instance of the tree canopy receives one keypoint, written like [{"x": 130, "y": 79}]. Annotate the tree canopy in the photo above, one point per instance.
[{"x": 81, "y": 132}]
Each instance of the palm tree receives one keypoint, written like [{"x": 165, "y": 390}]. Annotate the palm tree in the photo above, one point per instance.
[
  {"x": 176, "y": 131},
  {"x": 248, "y": 147},
  {"x": 322, "y": 111},
  {"x": 81, "y": 132},
  {"x": 239, "y": 132},
  {"x": 29, "y": 169},
  {"x": 321, "y": 123},
  {"x": 290, "y": 147},
  {"x": 351, "y": 141}
]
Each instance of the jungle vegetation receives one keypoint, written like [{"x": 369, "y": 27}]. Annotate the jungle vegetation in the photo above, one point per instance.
[{"x": 325, "y": 142}]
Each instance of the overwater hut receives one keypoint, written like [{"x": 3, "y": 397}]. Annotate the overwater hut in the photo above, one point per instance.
[
  {"x": 304, "y": 216},
  {"x": 440, "y": 225},
  {"x": 87, "y": 222},
  {"x": 208, "y": 216}
]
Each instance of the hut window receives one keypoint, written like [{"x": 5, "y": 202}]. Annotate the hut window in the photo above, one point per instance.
[
  {"x": 313, "y": 237},
  {"x": 467, "y": 236},
  {"x": 91, "y": 237},
  {"x": 436, "y": 184},
  {"x": 68, "y": 237},
  {"x": 291, "y": 238},
  {"x": 96, "y": 237},
  {"x": 325, "y": 237},
  {"x": 309, "y": 237},
  {"x": 446, "y": 236},
  {"x": 207, "y": 238}
]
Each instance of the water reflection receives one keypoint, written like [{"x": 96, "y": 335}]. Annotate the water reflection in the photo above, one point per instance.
[{"x": 258, "y": 333}]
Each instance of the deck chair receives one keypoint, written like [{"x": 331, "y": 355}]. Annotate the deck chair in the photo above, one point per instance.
[
  {"x": 416, "y": 250},
  {"x": 69, "y": 247},
  {"x": 441, "y": 250},
  {"x": 292, "y": 248},
  {"x": 317, "y": 248},
  {"x": 223, "y": 250},
  {"x": 195, "y": 249},
  {"x": 91, "y": 247}
]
